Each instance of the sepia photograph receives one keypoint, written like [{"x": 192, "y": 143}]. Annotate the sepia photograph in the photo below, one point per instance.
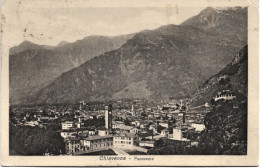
[{"x": 127, "y": 83}]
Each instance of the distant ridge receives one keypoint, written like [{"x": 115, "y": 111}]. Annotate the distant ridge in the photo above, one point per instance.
[
  {"x": 62, "y": 43},
  {"x": 171, "y": 61},
  {"x": 33, "y": 66},
  {"x": 26, "y": 45}
]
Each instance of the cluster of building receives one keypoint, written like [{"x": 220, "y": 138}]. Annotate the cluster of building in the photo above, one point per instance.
[
  {"x": 137, "y": 129},
  {"x": 130, "y": 126},
  {"x": 224, "y": 95},
  {"x": 134, "y": 128},
  {"x": 36, "y": 118},
  {"x": 80, "y": 141}
]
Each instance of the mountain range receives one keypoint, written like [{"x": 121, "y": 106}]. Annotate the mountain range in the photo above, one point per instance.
[
  {"x": 33, "y": 67},
  {"x": 168, "y": 62}
]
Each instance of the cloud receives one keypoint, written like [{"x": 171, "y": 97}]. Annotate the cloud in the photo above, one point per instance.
[{"x": 50, "y": 25}]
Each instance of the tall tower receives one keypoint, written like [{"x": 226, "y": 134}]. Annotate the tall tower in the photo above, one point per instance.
[
  {"x": 133, "y": 110},
  {"x": 108, "y": 117},
  {"x": 133, "y": 107}
]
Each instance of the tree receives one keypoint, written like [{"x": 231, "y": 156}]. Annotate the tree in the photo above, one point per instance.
[
  {"x": 35, "y": 141},
  {"x": 127, "y": 122}
]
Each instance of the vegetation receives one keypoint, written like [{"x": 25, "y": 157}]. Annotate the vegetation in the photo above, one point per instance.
[
  {"x": 97, "y": 122},
  {"x": 226, "y": 133},
  {"x": 226, "y": 128},
  {"x": 35, "y": 140},
  {"x": 171, "y": 147},
  {"x": 224, "y": 81},
  {"x": 103, "y": 152}
]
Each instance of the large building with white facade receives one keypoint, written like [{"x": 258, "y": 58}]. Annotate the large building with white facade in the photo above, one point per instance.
[
  {"x": 67, "y": 125},
  {"x": 94, "y": 143},
  {"x": 125, "y": 140},
  {"x": 177, "y": 134},
  {"x": 97, "y": 142},
  {"x": 198, "y": 126}
]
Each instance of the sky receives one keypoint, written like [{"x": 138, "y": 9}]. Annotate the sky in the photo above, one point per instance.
[{"x": 49, "y": 25}]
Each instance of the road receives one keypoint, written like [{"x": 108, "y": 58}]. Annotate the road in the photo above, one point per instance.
[{"x": 119, "y": 151}]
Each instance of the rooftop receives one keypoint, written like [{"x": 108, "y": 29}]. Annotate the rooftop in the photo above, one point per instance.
[
  {"x": 126, "y": 127},
  {"x": 165, "y": 130},
  {"x": 67, "y": 122},
  {"x": 148, "y": 142},
  {"x": 129, "y": 135},
  {"x": 96, "y": 137}
]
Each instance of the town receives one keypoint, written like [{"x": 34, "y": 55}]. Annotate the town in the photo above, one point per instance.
[{"x": 125, "y": 126}]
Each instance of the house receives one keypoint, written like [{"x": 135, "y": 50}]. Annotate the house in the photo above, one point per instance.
[
  {"x": 97, "y": 142},
  {"x": 154, "y": 128},
  {"x": 224, "y": 95},
  {"x": 222, "y": 77},
  {"x": 67, "y": 134},
  {"x": 150, "y": 116},
  {"x": 164, "y": 124},
  {"x": 67, "y": 125},
  {"x": 117, "y": 124},
  {"x": 155, "y": 137},
  {"x": 128, "y": 129},
  {"x": 164, "y": 113},
  {"x": 177, "y": 134},
  {"x": 147, "y": 144},
  {"x": 165, "y": 132},
  {"x": 159, "y": 107},
  {"x": 137, "y": 123},
  {"x": 133, "y": 123},
  {"x": 157, "y": 114},
  {"x": 91, "y": 132},
  {"x": 103, "y": 132},
  {"x": 89, "y": 144},
  {"x": 198, "y": 126},
  {"x": 72, "y": 146},
  {"x": 79, "y": 124},
  {"x": 143, "y": 125},
  {"x": 180, "y": 114},
  {"x": 125, "y": 140},
  {"x": 31, "y": 123}
]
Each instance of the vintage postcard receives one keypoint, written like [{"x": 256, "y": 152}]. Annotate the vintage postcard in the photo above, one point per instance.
[{"x": 129, "y": 83}]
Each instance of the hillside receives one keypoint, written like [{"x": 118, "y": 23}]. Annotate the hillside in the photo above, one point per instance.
[
  {"x": 171, "y": 61},
  {"x": 226, "y": 128},
  {"x": 226, "y": 125},
  {"x": 32, "y": 66},
  {"x": 233, "y": 77},
  {"x": 212, "y": 21},
  {"x": 225, "y": 133},
  {"x": 26, "y": 45}
]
